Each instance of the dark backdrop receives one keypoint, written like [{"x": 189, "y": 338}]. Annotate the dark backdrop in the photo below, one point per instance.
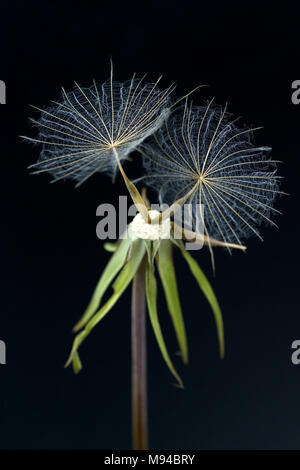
[{"x": 248, "y": 54}]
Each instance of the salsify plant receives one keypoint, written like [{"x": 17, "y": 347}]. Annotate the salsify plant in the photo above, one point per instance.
[{"x": 193, "y": 155}]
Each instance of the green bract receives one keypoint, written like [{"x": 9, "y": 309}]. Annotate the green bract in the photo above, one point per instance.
[{"x": 127, "y": 256}]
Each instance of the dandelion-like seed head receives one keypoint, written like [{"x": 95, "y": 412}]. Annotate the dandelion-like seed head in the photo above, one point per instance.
[
  {"x": 83, "y": 132},
  {"x": 202, "y": 153}
]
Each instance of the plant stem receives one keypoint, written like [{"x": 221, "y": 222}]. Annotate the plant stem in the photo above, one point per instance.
[{"x": 139, "y": 361}]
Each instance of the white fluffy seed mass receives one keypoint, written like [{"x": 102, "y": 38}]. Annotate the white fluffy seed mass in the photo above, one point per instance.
[{"x": 149, "y": 231}]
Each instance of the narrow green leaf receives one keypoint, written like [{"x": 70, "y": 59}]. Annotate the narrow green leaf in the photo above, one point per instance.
[
  {"x": 209, "y": 294},
  {"x": 168, "y": 278},
  {"x": 148, "y": 246},
  {"x": 119, "y": 286},
  {"x": 113, "y": 267},
  {"x": 152, "y": 248},
  {"x": 76, "y": 362},
  {"x": 156, "y": 244},
  {"x": 151, "y": 296}
]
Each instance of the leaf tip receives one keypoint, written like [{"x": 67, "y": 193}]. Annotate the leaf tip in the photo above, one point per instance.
[
  {"x": 179, "y": 383},
  {"x": 184, "y": 356},
  {"x": 67, "y": 363},
  {"x": 76, "y": 327},
  {"x": 69, "y": 360}
]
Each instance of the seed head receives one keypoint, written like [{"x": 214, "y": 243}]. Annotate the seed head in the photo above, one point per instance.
[
  {"x": 201, "y": 151},
  {"x": 82, "y": 133}
]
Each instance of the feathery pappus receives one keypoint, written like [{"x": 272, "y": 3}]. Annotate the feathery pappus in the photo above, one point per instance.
[
  {"x": 201, "y": 152},
  {"x": 90, "y": 129}
]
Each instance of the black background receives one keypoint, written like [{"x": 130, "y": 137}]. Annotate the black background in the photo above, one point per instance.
[{"x": 248, "y": 54}]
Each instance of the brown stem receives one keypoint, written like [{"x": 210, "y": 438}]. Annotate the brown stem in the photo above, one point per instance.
[{"x": 139, "y": 361}]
